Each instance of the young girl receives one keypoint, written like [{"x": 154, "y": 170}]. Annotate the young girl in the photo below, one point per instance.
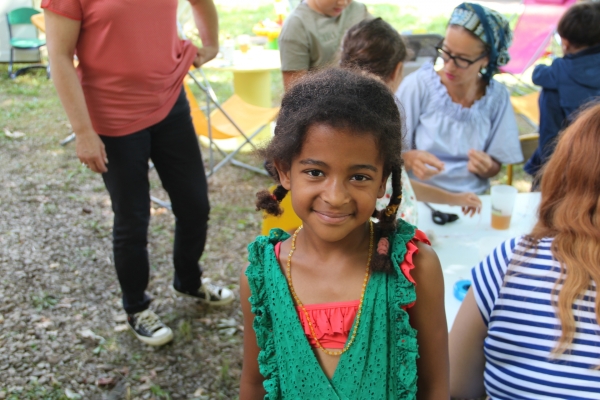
[
  {"x": 528, "y": 328},
  {"x": 343, "y": 309},
  {"x": 376, "y": 47}
]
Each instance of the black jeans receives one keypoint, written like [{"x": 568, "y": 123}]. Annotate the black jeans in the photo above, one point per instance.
[{"x": 173, "y": 148}]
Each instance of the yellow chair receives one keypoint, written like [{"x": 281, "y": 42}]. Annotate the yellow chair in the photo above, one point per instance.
[
  {"x": 288, "y": 221},
  {"x": 527, "y": 107},
  {"x": 529, "y": 142},
  {"x": 230, "y": 127}
]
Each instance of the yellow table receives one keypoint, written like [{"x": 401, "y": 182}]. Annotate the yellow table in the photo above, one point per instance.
[
  {"x": 251, "y": 74},
  {"x": 39, "y": 22}
]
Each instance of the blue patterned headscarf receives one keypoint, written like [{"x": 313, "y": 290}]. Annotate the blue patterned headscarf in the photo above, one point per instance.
[{"x": 491, "y": 27}]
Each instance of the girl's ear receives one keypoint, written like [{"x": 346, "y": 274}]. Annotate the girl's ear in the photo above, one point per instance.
[
  {"x": 284, "y": 173},
  {"x": 396, "y": 77},
  {"x": 382, "y": 186},
  {"x": 565, "y": 45}
]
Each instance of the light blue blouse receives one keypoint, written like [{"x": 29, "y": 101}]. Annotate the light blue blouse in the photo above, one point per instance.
[{"x": 448, "y": 130}]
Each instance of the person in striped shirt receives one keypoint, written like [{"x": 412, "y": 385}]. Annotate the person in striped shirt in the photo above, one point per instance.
[{"x": 528, "y": 327}]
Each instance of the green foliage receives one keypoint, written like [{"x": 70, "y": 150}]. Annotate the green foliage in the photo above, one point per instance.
[
  {"x": 185, "y": 330},
  {"x": 43, "y": 300},
  {"x": 406, "y": 21},
  {"x": 159, "y": 392},
  {"x": 37, "y": 392}
]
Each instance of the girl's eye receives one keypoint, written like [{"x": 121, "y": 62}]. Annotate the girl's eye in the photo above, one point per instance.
[
  {"x": 314, "y": 173},
  {"x": 361, "y": 178}
]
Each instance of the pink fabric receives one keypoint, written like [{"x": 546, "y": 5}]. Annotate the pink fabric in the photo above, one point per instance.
[
  {"x": 131, "y": 61},
  {"x": 332, "y": 322},
  {"x": 533, "y": 32}
]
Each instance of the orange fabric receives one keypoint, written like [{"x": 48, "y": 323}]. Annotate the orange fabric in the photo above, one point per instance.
[
  {"x": 131, "y": 61},
  {"x": 332, "y": 322}
]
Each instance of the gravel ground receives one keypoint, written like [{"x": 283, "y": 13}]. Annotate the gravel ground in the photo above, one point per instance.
[{"x": 62, "y": 329}]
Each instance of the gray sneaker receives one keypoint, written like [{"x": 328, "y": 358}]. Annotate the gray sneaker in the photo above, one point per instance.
[{"x": 149, "y": 328}]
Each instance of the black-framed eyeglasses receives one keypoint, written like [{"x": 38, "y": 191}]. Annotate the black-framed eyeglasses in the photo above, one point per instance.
[{"x": 460, "y": 62}]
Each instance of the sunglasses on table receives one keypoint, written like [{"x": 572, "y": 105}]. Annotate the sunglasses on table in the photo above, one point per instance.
[{"x": 460, "y": 62}]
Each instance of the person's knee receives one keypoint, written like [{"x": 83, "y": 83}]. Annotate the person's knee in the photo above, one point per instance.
[
  {"x": 131, "y": 228},
  {"x": 194, "y": 213}
]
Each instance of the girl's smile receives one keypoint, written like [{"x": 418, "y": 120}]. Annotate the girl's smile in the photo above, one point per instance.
[{"x": 332, "y": 217}]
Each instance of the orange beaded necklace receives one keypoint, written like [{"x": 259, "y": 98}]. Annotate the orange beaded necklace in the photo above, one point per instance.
[{"x": 362, "y": 295}]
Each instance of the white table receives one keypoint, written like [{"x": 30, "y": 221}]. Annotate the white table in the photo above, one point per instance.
[{"x": 462, "y": 244}]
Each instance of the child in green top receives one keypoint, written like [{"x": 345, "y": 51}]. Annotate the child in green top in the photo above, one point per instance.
[
  {"x": 338, "y": 138},
  {"x": 312, "y": 34}
]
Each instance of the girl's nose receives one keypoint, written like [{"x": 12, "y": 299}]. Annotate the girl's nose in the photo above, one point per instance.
[{"x": 335, "y": 193}]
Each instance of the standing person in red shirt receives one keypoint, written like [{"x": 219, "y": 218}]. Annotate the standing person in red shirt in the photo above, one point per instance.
[{"x": 126, "y": 105}]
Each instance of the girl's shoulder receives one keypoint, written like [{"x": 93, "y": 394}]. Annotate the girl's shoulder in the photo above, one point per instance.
[{"x": 262, "y": 247}]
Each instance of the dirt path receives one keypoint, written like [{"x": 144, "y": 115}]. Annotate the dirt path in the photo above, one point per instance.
[{"x": 62, "y": 332}]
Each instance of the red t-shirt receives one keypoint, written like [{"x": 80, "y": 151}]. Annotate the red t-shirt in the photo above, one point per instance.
[{"x": 131, "y": 60}]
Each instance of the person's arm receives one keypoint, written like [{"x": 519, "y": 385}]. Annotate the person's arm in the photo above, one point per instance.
[
  {"x": 428, "y": 317},
  {"x": 294, "y": 49},
  {"x": 545, "y": 76},
  {"x": 502, "y": 143},
  {"x": 289, "y": 77},
  {"x": 411, "y": 94},
  {"x": 467, "y": 361},
  {"x": 251, "y": 384},
  {"x": 61, "y": 35},
  {"x": 207, "y": 22},
  {"x": 469, "y": 202}
]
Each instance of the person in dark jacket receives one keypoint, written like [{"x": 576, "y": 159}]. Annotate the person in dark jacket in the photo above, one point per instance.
[{"x": 571, "y": 81}]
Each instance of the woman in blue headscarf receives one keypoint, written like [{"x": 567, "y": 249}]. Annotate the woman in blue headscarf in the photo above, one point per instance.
[{"x": 460, "y": 125}]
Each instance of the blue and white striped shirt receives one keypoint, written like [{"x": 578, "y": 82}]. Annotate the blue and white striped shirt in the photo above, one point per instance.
[{"x": 513, "y": 287}]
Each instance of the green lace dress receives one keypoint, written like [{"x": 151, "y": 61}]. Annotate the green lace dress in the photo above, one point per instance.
[{"x": 380, "y": 364}]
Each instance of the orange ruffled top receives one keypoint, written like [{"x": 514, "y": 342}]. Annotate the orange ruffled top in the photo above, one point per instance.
[{"x": 333, "y": 321}]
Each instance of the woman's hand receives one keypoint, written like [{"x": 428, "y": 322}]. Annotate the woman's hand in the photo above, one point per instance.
[
  {"x": 423, "y": 164},
  {"x": 91, "y": 152},
  {"x": 469, "y": 202},
  {"x": 482, "y": 164},
  {"x": 204, "y": 55}
]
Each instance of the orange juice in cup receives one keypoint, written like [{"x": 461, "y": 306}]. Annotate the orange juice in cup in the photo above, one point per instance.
[
  {"x": 244, "y": 43},
  {"x": 503, "y": 199}
]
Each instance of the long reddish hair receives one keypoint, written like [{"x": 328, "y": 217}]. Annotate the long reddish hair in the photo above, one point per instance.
[{"x": 570, "y": 213}]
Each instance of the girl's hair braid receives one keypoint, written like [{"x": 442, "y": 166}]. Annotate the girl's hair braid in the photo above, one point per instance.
[
  {"x": 387, "y": 224},
  {"x": 269, "y": 202}
]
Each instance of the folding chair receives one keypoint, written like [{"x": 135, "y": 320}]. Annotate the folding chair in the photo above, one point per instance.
[
  {"x": 233, "y": 120},
  {"x": 21, "y": 17},
  {"x": 422, "y": 49}
]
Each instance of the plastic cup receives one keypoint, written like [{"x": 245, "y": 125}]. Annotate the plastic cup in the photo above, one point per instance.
[
  {"x": 503, "y": 199},
  {"x": 244, "y": 43}
]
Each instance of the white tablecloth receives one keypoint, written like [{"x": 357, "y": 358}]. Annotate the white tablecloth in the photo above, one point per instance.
[{"x": 462, "y": 244}]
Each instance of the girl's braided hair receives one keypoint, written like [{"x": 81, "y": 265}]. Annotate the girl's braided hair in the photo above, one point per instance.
[{"x": 341, "y": 99}]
